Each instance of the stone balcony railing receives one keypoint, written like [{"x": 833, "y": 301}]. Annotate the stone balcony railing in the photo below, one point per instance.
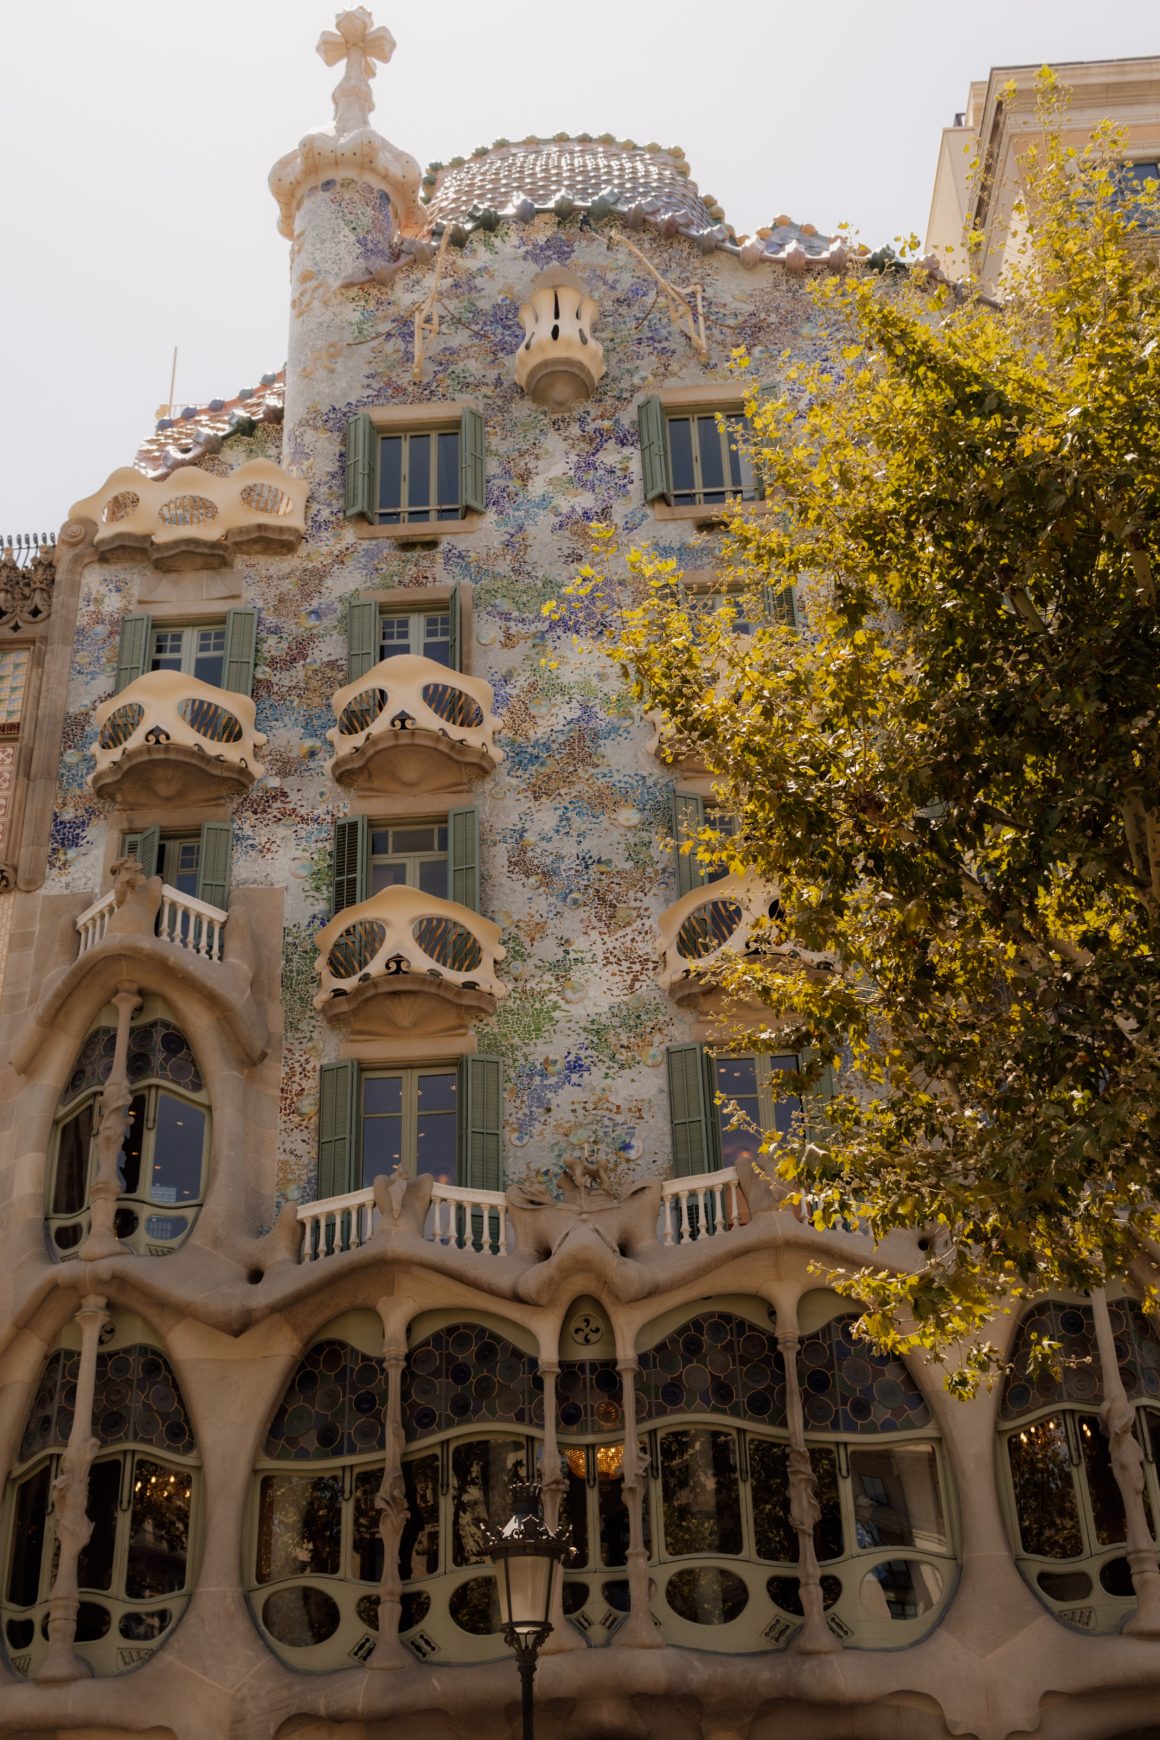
[
  {"x": 707, "y": 923},
  {"x": 704, "y": 1205},
  {"x": 194, "y": 518},
  {"x": 411, "y": 724},
  {"x": 183, "y": 920},
  {"x": 168, "y": 736},
  {"x": 405, "y": 960}
]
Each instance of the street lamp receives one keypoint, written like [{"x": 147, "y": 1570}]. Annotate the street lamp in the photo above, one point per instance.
[{"x": 527, "y": 1557}]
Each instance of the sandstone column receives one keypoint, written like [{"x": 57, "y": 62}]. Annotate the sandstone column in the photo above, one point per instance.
[{"x": 70, "y": 1493}]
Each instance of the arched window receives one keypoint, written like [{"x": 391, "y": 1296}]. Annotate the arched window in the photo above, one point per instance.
[
  {"x": 163, "y": 1162},
  {"x": 136, "y": 1571},
  {"x": 1066, "y": 1513}
]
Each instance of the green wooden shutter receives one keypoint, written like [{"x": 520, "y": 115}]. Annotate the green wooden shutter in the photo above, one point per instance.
[
  {"x": 349, "y": 880},
  {"x": 780, "y": 603},
  {"x": 463, "y": 857},
  {"x": 145, "y": 846},
  {"x": 454, "y": 652},
  {"x": 337, "y": 1146},
  {"x": 133, "y": 650},
  {"x": 688, "y": 817},
  {"x": 654, "y": 456},
  {"x": 472, "y": 470},
  {"x": 481, "y": 1123},
  {"x": 241, "y": 645},
  {"x": 690, "y": 1111},
  {"x": 814, "y": 1105},
  {"x": 361, "y": 439},
  {"x": 362, "y": 637},
  {"x": 213, "y": 865}
]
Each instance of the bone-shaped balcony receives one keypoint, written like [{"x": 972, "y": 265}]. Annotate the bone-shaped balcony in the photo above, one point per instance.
[
  {"x": 699, "y": 930},
  {"x": 405, "y": 961},
  {"x": 411, "y": 723},
  {"x": 169, "y": 737},
  {"x": 194, "y": 518}
]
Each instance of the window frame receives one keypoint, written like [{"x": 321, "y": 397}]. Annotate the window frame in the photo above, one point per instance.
[
  {"x": 709, "y": 498},
  {"x": 412, "y": 861},
  {"x": 409, "y": 1114},
  {"x": 189, "y": 629},
  {"x": 433, "y": 513}
]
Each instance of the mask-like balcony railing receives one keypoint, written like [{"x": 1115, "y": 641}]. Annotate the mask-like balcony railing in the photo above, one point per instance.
[
  {"x": 183, "y": 920},
  {"x": 169, "y": 737},
  {"x": 709, "y": 922},
  {"x": 405, "y": 960},
  {"x": 412, "y": 724},
  {"x": 457, "y": 1219},
  {"x": 194, "y": 518}
]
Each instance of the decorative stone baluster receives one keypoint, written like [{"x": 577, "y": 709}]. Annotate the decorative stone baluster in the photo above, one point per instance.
[
  {"x": 114, "y": 1103},
  {"x": 815, "y": 1637},
  {"x": 638, "y": 1630},
  {"x": 391, "y": 1504},
  {"x": 70, "y": 1495},
  {"x": 1118, "y": 1418}
]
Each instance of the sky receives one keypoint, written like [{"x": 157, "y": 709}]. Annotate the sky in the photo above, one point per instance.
[{"x": 137, "y": 136}]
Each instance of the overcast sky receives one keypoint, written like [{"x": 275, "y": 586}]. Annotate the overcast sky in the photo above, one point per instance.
[{"x": 138, "y": 134}]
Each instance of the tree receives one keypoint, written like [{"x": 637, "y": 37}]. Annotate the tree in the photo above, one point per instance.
[{"x": 951, "y": 772}]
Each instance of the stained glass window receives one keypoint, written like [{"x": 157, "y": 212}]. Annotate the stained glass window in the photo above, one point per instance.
[
  {"x": 716, "y": 1363},
  {"x": 466, "y": 1375},
  {"x": 589, "y": 1398},
  {"x": 1076, "y": 1376},
  {"x": 157, "y": 1050},
  {"x": 848, "y": 1387},
  {"x": 137, "y": 1401},
  {"x": 333, "y": 1408}
]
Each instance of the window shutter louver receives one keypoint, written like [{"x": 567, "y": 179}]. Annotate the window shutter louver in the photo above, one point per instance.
[
  {"x": 145, "y": 846},
  {"x": 688, "y": 818},
  {"x": 360, "y": 467},
  {"x": 213, "y": 868},
  {"x": 481, "y": 1123},
  {"x": 453, "y": 647},
  {"x": 133, "y": 650},
  {"x": 780, "y": 604},
  {"x": 815, "y": 1102},
  {"x": 654, "y": 458},
  {"x": 472, "y": 469},
  {"x": 362, "y": 637},
  {"x": 348, "y": 870},
  {"x": 690, "y": 1111},
  {"x": 241, "y": 646},
  {"x": 463, "y": 856},
  {"x": 337, "y": 1148}
]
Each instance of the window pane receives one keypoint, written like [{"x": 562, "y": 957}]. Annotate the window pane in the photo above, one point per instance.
[
  {"x": 178, "y": 1146},
  {"x": 387, "y": 873},
  {"x": 158, "y": 1531},
  {"x": 773, "y": 1536},
  {"x": 167, "y": 644},
  {"x": 712, "y": 464},
  {"x": 382, "y": 1093},
  {"x": 1106, "y": 1501},
  {"x": 438, "y": 1145},
  {"x": 436, "y": 631},
  {"x": 421, "y": 839},
  {"x": 70, "y": 1183},
  {"x": 419, "y": 1546},
  {"x": 419, "y": 477},
  {"x": 367, "y": 1543},
  {"x": 95, "y": 1565},
  {"x": 702, "y": 1507},
  {"x": 786, "y": 1107},
  {"x": 574, "y": 1510},
  {"x": 447, "y": 481},
  {"x": 181, "y": 861},
  {"x": 299, "y": 1526},
  {"x": 680, "y": 435},
  {"x": 210, "y": 655},
  {"x": 390, "y": 476},
  {"x": 482, "y": 1471},
  {"x": 736, "y": 1079},
  {"x": 740, "y": 470},
  {"x": 28, "y": 1518},
  {"x": 129, "y": 1165},
  {"x": 437, "y": 1090},
  {"x": 896, "y": 1498},
  {"x": 1044, "y": 1491},
  {"x": 612, "y": 1510},
  {"x": 13, "y": 677},
  {"x": 433, "y": 877},
  {"x": 395, "y": 635}
]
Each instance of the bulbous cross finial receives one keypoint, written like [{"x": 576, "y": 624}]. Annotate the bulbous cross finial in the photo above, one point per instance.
[{"x": 360, "y": 42}]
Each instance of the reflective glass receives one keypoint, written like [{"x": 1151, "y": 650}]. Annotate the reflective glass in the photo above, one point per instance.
[
  {"x": 300, "y": 1617},
  {"x": 419, "y": 1546},
  {"x": 1107, "y": 1504},
  {"x": 896, "y": 1498},
  {"x": 167, "y": 645},
  {"x": 382, "y": 1094},
  {"x": 395, "y": 634},
  {"x": 684, "y": 480},
  {"x": 158, "y": 1531},
  {"x": 437, "y": 629},
  {"x": 706, "y": 1594},
  {"x": 209, "y": 656},
  {"x": 900, "y": 1589},
  {"x": 702, "y": 1507},
  {"x": 774, "y": 1536},
  {"x": 574, "y": 1510},
  {"x": 482, "y": 1470},
  {"x": 419, "y": 477},
  {"x": 299, "y": 1526},
  {"x": 433, "y": 877},
  {"x": 447, "y": 475},
  {"x": 712, "y": 467},
  {"x": 740, "y": 469},
  {"x": 28, "y": 1519},
  {"x": 390, "y": 477},
  {"x": 1045, "y": 1500},
  {"x": 129, "y": 1165},
  {"x": 70, "y": 1183},
  {"x": 178, "y": 1146},
  {"x": 367, "y": 1543},
  {"x": 736, "y": 1079},
  {"x": 611, "y": 1508},
  {"x": 95, "y": 1565},
  {"x": 182, "y": 858},
  {"x": 438, "y": 1125}
]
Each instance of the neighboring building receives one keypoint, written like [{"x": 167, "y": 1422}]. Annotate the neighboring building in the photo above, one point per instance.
[
  {"x": 359, "y": 1136},
  {"x": 979, "y": 179}
]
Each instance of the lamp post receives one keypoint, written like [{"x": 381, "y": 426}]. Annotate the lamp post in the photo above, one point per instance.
[{"x": 527, "y": 1558}]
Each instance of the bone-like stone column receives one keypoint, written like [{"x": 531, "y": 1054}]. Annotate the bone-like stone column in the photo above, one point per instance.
[
  {"x": 638, "y": 1630},
  {"x": 70, "y": 1495},
  {"x": 115, "y": 1102},
  {"x": 815, "y": 1636},
  {"x": 391, "y": 1499},
  {"x": 1118, "y": 1418},
  {"x": 553, "y": 1486}
]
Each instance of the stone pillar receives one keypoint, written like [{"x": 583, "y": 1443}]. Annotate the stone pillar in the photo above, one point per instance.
[
  {"x": 815, "y": 1636},
  {"x": 1118, "y": 1418},
  {"x": 391, "y": 1502},
  {"x": 638, "y": 1630},
  {"x": 115, "y": 1101},
  {"x": 553, "y": 1486},
  {"x": 70, "y": 1493}
]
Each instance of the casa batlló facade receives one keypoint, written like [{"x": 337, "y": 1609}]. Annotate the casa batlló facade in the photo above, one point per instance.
[{"x": 361, "y": 1146}]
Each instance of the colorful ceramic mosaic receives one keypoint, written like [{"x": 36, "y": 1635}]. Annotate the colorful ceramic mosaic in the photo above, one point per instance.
[
  {"x": 137, "y": 1401},
  {"x": 714, "y": 1364}
]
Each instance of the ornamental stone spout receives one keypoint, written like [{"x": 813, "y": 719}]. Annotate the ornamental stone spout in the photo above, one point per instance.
[{"x": 559, "y": 363}]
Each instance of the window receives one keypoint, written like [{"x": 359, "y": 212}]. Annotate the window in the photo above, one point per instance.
[
  {"x": 375, "y": 632},
  {"x": 196, "y": 862},
  {"x": 13, "y": 682},
  {"x": 424, "y": 473},
  {"x": 164, "y": 1153},
  {"x": 778, "y": 604},
  {"x": 134, "y": 1572},
  {"x": 219, "y": 653},
  {"x": 695, "y": 458},
  {"x": 442, "y": 1119},
  {"x": 426, "y": 632},
  {"x": 439, "y": 857},
  {"x": 702, "y": 1139},
  {"x": 691, "y": 814}
]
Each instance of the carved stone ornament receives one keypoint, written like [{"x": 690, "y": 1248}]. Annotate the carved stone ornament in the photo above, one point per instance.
[
  {"x": 559, "y": 363},
  {"x": 168, "y": 735},
  {"x": 194, "y": 518},
  {"x": 350, "y": 148},
  {"x": 26, "y": 587}
]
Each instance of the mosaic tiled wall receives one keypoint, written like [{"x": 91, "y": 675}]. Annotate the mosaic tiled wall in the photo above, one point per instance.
[{"x": 572, "y": 866}]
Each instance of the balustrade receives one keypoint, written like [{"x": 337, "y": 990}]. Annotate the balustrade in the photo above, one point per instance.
[
  {"x": 702, "y": 1206},
  {"x": 464, "y": 1220},
  {"x": 183, "y": 920},
  {"x": 195, "y": 518}
]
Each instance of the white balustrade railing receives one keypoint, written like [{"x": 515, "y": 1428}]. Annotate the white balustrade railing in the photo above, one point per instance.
[
  {"x": 700, "y": 1207},
  {"x": 183, "y": 919},
  {"x": 470, "y": 1220},
  {"x": 338, "y": 1223}
]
